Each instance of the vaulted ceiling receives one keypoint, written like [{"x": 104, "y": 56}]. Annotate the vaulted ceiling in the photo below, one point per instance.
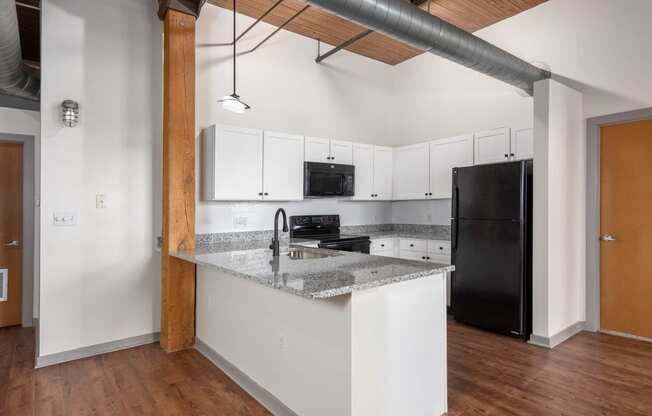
[{"x": 315, "y": 23}]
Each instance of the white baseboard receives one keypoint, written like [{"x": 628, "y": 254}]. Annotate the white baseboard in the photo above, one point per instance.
[
  {"x": 625, "y": 335},
  {"x": 97, "y": 349},
  {"x": 559, "y": 337},
  {"x": 264, "y": 397}
]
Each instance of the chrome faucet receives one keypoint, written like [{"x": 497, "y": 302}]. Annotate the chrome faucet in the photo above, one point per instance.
[{"x": 275, "y": 246}]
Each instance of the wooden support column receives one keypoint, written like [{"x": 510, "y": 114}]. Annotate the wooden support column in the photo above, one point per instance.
[{"x": 177, "y": 276}]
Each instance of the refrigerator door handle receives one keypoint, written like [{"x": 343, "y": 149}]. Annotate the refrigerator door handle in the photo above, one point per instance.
[{"x": 453, "y": 234}]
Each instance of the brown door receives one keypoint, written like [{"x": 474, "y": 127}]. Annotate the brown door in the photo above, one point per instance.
[
  {"x": 11, "y": 230},
  {"x": 626, "y": 228}
]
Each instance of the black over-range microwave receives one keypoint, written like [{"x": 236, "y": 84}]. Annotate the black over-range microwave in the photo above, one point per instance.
[{"x": 328, "y": 179}]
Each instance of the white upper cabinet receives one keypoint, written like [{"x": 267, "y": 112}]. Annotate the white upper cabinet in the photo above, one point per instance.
[
  {"x": 233, "y": 163},
  {"x": 282, "y": 167},
  {"x": 318, "y": 149},
  {"x": 446, "y": 154},
  {"x": 328, "y": 151},
  {"x": 492, "y": 146},
  {"x": 363, "y": 160},
  {"x": 522, "y": 144},
  {"x": 341, "y": 152},
  {"x": 383, "y": 173},
  {"x": 411, "y": 171}
]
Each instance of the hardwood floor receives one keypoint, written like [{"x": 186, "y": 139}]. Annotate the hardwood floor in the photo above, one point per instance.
[{"x": 591, "y": 374}]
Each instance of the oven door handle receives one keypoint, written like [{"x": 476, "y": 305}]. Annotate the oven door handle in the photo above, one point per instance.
[{"x": 334, "y": 245}]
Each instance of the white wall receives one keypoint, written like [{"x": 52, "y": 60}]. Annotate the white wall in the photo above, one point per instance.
[
  {"x": 597, "y": 46},
  {"x": 559, "y": 261},
  {"x": 15, "y": 121},
  {"x": 347, "y": 97},
  {"x": 100, "y": 278}
]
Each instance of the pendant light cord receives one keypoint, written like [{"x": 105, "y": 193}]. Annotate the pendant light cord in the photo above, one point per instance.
[{"x": 234, "y": 41}]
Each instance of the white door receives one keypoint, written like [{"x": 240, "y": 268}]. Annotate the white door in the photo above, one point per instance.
[
  {"x": 318, "y": 150},
  {"x": 446, "y": 154},
  {"x": 383, "y": 172},
  {"x": 341, "y": 152},
  {"x": 492, "y": 146},
  {"x": 411, "y": 172},
  {"x": 233, "y": 163},
  {"x": 282, "y": 167},
  {"x": 363, "y": 160},
  {"x": 522, "y": 144}
]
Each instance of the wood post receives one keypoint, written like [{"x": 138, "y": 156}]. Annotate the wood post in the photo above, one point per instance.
[{"x": 177, "y": 276}]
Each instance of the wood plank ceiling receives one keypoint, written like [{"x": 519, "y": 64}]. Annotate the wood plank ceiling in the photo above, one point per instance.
[{"x": 315, "y": 23}]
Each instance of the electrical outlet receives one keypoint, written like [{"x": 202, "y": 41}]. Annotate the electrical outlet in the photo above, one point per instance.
[
  {"x": 64, "y": 219},
  {"x": 281, "y": 342},
  {"x": 240, "y": 221},
  {"x": 100, "y": 201}
]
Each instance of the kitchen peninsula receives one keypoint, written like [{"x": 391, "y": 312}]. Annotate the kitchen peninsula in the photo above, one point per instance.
[{"x": 321, "y": 332}]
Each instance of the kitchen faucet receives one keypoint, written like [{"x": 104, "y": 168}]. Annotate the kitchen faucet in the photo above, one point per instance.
[{"x": 275, "y": 246}]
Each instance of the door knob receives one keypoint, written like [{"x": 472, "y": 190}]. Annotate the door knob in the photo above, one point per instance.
[
  {"x": 13, "y": 243},
  {"x": 608, "y": 237}
]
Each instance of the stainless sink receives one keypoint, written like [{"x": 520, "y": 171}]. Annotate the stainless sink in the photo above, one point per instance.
[{"x": 300, "y": 254}]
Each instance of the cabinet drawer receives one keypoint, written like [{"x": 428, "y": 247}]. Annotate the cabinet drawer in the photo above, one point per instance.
[
  {"x": 437, "y": 258},
  {"x": 412, "y": 255},
  {"x": 413, "y": 244},
  {"x": 439, "y": 247},
  {"x": 382, "y": 244}
]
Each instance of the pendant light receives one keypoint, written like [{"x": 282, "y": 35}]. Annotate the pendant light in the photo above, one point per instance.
[{"x": 232, "y": 102}]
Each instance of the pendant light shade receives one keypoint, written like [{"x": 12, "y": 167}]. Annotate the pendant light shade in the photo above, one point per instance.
[{"x": 232, "y": 102}]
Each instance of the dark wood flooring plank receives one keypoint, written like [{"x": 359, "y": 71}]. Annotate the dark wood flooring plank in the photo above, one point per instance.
[{"x": 589, "y": 375}]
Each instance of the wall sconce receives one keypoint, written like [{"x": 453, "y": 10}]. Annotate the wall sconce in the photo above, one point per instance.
[{"x": 70, "y": 113}]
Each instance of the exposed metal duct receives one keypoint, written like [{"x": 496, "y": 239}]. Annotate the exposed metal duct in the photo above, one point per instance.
[
  {"x": 404, "y": 21},
  {"x": 15, "y": 78}
]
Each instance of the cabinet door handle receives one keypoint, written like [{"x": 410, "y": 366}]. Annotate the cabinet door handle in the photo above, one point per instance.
[
  {"x": 260, "y": 193},
  {"x": 382, "y": 245},
  {"x": 423, "y": 257},
  {"x": 411, "y": 245},
  {"x": 506, "y": 155},
  {"x": 427, "y": 258},
  {"x": 266, "y": 194},
  {"x": 511, "y": 154}
]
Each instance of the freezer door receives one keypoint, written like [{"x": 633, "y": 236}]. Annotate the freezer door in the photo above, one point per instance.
[
  {"x": 489, "y": 191},
  {"x": 487, "y": 286}
]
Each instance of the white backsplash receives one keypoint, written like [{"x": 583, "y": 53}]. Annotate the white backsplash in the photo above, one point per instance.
[
  {"x": 216, "y": 217},
  {"x": 435, "y": 212}
]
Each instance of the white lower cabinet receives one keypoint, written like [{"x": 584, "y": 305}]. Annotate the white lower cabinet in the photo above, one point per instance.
[
  {"x": 382, "y": 247},
  {"x": 433, "y": 251}
]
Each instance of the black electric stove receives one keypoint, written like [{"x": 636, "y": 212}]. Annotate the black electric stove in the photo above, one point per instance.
[{"x": 326, "y": 229}]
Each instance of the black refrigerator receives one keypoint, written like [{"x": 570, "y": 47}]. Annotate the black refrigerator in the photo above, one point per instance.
[{"x": 491, "y": 242}]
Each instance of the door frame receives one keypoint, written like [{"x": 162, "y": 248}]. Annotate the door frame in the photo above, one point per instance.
[
  {"x": 593, "y": 126},
  {"x": 29, "y": 226}
]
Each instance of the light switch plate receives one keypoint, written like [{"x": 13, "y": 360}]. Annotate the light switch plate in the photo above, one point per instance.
[
  {"x": 100, "y": 201},
  {"x": 64, "y": 219}
]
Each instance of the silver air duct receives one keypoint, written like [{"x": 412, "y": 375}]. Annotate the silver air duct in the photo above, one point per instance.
[
  {"x": 404, "y": 21},
  {"x": 15, "y": 78}
]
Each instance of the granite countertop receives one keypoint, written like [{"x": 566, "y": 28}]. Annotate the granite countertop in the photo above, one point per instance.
[
  {"x": 337, "y": 273},
  {"x": 407, "y": 234}
]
